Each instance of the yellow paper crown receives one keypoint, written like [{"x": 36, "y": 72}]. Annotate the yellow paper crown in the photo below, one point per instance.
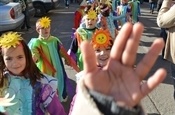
[
  {"x": 45, "y": 22},
  {"x": 91, "y": 14},
  {"x": 10, "y": 39},
  {"x": 108, "y": 2},
  {"x": 101, "y": 39}
]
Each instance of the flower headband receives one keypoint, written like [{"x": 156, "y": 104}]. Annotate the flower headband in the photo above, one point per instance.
[
  {"x": 45, "y": 22},
  {"x": 10, "y": 39},
  {"x": 91, "y": 14},
  {"x": 108, "y": 2},
  {"x": 6, "y": 101},
  {"x": 101, "y": 39}
]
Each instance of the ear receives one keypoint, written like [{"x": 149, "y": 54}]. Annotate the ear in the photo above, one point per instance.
[{"x": 37, "y": 29}]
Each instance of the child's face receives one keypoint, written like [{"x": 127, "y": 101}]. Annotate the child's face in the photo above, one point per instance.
[
  {"x": 90, "y": 23},
  {"x": 124, "y": 1},
  {"x": 102, "y": 56},
  {"x": 14, "y": 59},
  {"x": 44, "y": 32}
]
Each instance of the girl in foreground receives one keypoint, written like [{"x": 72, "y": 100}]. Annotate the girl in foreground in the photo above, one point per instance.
[{"x": 35, "y": 93}]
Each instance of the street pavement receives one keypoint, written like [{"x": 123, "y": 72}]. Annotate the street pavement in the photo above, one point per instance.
[{"x": 160, "y": 101}]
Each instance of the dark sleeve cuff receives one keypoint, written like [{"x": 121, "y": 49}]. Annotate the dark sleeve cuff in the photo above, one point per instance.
[{"x": 108, "y": 106}]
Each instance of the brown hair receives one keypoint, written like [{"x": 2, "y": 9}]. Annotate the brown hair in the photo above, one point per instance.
[
  {"x": 88, "y": 7},
  {"x": 104, "y": 10},
  {"x": 31, "y": 71}
]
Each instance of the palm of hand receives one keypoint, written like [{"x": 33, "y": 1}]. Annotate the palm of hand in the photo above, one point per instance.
[{"x": 118, "y": 78}]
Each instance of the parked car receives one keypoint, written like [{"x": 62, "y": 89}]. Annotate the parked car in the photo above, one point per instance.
[
  {"x": 43, "y": 6},
  {"x": 31, "y": 9},
  {"x": 11, "y": 15}
]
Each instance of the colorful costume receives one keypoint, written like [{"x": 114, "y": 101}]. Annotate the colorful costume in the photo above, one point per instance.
[
  {"x": 79, "y": 13},
  {"x": 81, "y": 34},
  {"x": 48, "y": 51},
  {"x": 110, "y": 23},
  {"x": 100, "y": 39},
  {"x": 124, "y": 9},
  {"x": 32, "y": 100},
  {"x": 135, "y": 10}
]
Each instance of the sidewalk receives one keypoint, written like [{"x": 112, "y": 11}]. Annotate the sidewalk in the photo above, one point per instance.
[{"x": 160, "y": 101}]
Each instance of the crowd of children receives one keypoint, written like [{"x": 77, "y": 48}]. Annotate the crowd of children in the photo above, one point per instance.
[
  {"x": 33, "y": 74},
  {"x": 109, "y": 15}
]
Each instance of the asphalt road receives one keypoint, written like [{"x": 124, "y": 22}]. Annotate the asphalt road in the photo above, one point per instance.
[{"x": 160, "y": 101}]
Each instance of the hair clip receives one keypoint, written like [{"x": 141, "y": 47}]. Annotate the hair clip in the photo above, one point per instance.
[
  {"x": 45, "y": 22},
  {"x": 10, "y": 39},
  {"x": 91, "y": 14}
]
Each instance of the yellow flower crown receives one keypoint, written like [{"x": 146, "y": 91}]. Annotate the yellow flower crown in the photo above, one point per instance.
[
  {"x": 108, "y": 2},
  {"x": 45, "y": 22},
  {"x": 10, "y": 39},
  {"x": 101, "y": 39},
  {"x": 91, "y": 14}
]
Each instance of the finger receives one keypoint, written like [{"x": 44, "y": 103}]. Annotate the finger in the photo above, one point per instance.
[
  {"x": 120, "y": 41},
  {"x": 149, "y": 59},
  {"x": 153, "y": 81},
  {"x": 89, "y": 58},
  {"x": 129, "y": 54}
]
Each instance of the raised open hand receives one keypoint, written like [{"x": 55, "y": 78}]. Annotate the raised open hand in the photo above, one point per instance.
[{"x": 118, "y": 78}]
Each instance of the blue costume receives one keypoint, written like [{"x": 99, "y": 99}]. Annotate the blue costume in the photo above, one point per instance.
[{"x": 31, "y": 100}]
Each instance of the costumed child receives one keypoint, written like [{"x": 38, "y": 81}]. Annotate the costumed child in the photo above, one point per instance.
[
  {"x": 109, "y": 90},
  {"x": 114, "y": 5},
  {"x": 78, "y": 15},
  {"x": 124, "y": 9},
  {"x": 107, "y": 15},
  {"x": 84, "y": 32},
  {"x": 135, "y": 10},
  {"x": 35, "y": 92},
  {"x": 47, "y": 52},
  {"x": 102, "y": 44}
]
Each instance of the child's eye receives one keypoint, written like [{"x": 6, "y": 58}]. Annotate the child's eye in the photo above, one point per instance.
[
  {"x": 109, "y": 48},
  {"x": 8, "y": 58},
  {"x": 97, "y": 50},
  {"x": 20, "y": 57}
]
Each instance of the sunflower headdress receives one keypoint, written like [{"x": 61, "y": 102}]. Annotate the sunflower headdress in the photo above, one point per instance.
[
  {"x": 6, "y": 101},
  {"x": 101, "y": 39},
  {"x": 10, "y": 39},
  {"x": 45, "y": 22},
  {"x": 109, "y": 3},
  {"x": 92, "y": 14}
]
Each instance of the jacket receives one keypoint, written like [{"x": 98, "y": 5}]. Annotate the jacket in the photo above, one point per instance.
[
  {"x": 89, "y": 102},
  {"x": 166, "y": 19}
]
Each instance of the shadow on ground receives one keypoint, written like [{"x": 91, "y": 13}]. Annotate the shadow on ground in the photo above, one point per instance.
[
  {"x": 160, "y": 63},
  {"x": 153, "y": 114}
]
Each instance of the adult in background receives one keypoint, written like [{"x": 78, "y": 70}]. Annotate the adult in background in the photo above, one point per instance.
[
  {"x": 166, "y": 19},
  {"x": 153, "y": 4},
  {"x": 25, "y": 11},
  {"x": 66, "y": 2},
  {"x": 163, "y": 33},
  {"x": 159, "y": 4}
]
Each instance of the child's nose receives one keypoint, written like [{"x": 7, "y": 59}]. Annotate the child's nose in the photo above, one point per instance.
[{"x": 102, "y": 52}]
